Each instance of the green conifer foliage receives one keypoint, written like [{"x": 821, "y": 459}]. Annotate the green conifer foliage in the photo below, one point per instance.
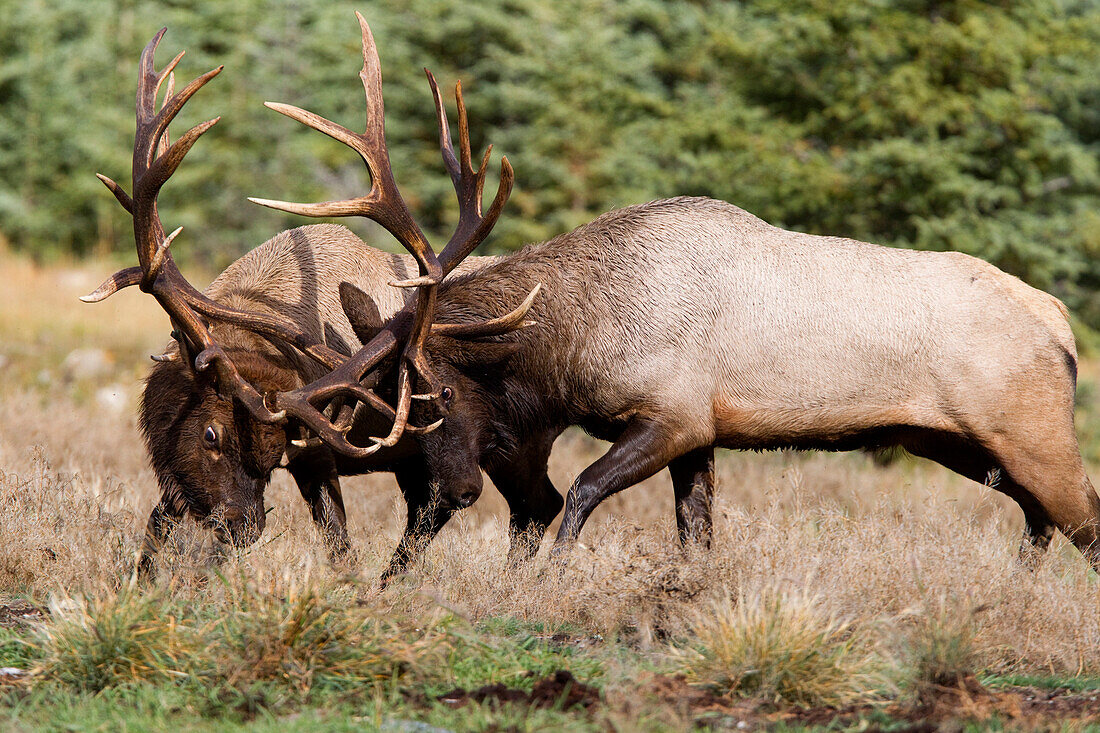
[{"x": 972, "y": 126}]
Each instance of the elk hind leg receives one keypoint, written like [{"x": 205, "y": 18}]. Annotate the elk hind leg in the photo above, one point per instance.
[
  {"x": 971, "y": 460},
  {"x": 1052, "y": 477},
  {"x": 693, "y": 485}
]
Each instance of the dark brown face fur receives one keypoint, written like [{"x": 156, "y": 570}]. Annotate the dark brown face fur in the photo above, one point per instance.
[
  {"x": 482, "y": 407},
  {"x": 207, "y": 451},
  {"x": 470, "y": 430}
]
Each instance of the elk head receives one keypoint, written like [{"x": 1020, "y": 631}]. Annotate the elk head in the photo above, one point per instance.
[
  {"x": 208, "y": 451},
  {"x": 459, "y": 408},
  {"x": 215, "y": 446}
]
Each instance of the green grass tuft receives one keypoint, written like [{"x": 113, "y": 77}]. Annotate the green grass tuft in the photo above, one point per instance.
[
  {"x": 311, "y": 638},
  {"x": 777, "y": 647},
  {"x": 942, "y": 650},
  {"x": 92, "y": 645}
]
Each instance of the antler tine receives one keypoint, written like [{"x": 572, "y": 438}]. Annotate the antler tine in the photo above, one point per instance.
[
  {"x": 164, "y": 166},
  {"x": 165, "y": 142},
  {"x": 146, "y": 70},
  {"x": 383, "y": 203},
  {"x": 446, "y": 148},
  {"x": 166, "y": 73},
  {"x": 121, "y": 279},
  {"x": 469, "y": 184},
  {"x": 499, "y": 326},
  {"x": 122, "y": 196}
]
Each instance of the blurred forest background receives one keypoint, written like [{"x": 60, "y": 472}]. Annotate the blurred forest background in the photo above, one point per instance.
[{"x": 968, "y": 125}]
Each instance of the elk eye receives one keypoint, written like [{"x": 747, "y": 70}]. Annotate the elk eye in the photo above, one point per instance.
[
  {"x": 210, "y": 437},
  {"x": 447, "y": 394}
]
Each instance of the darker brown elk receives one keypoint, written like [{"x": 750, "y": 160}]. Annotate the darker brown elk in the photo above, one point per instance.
[
  {"x": 213, "y": 460},
  {"x": 678, "y": 326},
  {"x": 266, "y": 356}
]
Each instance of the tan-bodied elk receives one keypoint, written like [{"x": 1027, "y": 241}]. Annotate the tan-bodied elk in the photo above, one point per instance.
[
  {"x": 677, "y": 326},
  {"x": 680, "y": 325},
  {"x": 266, "y": 357}
]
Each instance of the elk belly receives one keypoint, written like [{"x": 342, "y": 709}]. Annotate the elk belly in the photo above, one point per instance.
[{"x": 818, "y": 428}]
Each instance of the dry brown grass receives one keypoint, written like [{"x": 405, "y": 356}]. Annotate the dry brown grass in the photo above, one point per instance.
[{"x": 878, "y": 547}]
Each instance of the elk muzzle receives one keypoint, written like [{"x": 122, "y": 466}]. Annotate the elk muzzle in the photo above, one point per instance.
[
  {"x": 238, "y": 526},
  {"x": 459, "y": 492}
]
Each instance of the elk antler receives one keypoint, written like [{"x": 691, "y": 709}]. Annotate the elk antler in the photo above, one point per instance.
[
  {"x": 154, "y": 161},
  {"x": 384, "y": 205}
]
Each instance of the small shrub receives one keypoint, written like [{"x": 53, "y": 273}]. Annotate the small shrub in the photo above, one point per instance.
[
  {"x": 114, "y": 640},
  {"x": 306, "y": 639},
  {"x": 778, "y": 647},
  {"x": 942, "y": 650}
]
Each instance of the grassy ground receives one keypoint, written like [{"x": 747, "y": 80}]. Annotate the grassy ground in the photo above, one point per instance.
[{"x": 840, "y": 593}]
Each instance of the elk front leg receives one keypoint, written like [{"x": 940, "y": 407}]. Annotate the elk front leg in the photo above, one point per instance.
[
  {"x": 693, "y": 484},
  {"x": 425, "y": 516},
  {"x": 533, "y": 502},
  {"x": 530, "y": 518},
  {"x": 317, "y": 479},
  {"x": 162, "y": 519},
  {"x": 643, "y": 449}
]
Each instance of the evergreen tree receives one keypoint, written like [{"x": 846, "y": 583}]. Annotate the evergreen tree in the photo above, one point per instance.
[{"x": 965, "y": 125}]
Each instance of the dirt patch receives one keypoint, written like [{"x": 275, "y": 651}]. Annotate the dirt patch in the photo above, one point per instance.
[
  {"x": 1059, "y": 704},
  {"x": 966, "y": 700},
  {"x": 563, "y": 690},
  {"x": 560, "y": 690},
  {"x": 1021, "y": 708},
  {"x": 689, "y": 699},
  {"x": 676, "y": 691},
  {"x": 19, "y": 613}
]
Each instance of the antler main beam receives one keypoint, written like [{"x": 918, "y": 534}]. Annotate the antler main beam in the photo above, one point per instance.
[
  {"x": 155, "y": 159},
  {"x": 384, "y": 205}
]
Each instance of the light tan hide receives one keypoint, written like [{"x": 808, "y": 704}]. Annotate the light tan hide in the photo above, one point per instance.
[{"x": 709, "y": 327}]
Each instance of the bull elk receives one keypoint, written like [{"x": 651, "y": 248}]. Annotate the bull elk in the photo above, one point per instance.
[
  {"x": 266, "y": 356},
  {"x": 682, "y": 325}
]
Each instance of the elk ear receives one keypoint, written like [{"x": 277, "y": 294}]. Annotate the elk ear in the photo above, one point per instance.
[
  {"x": 362, "y": 312},
  {"x": 474, "y": 356}
]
